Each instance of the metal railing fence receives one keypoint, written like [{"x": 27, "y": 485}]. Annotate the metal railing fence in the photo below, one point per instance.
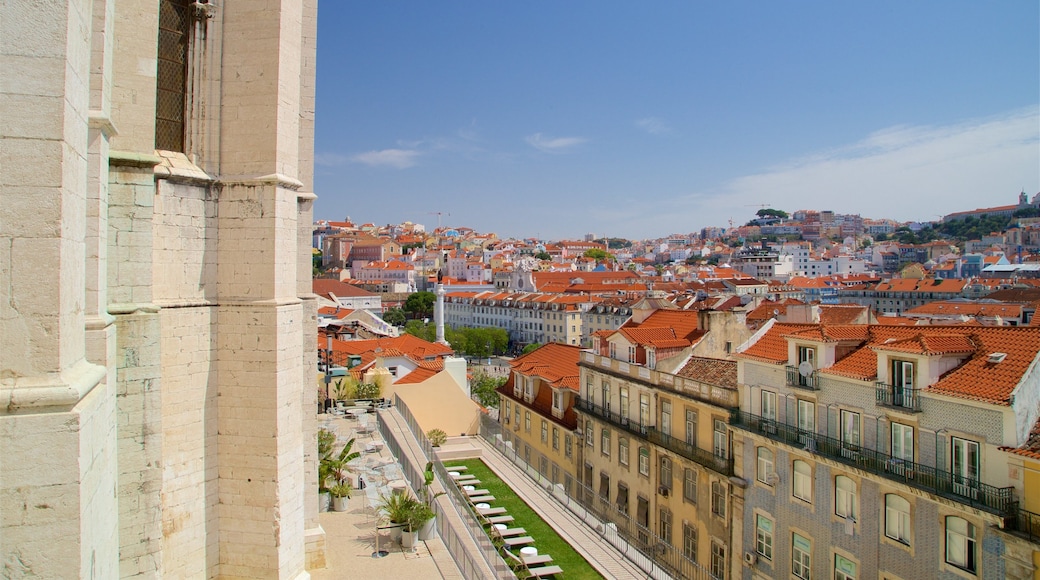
[
  {"x": 471, "y": 569},
  {"x": 640, "y": 545}
]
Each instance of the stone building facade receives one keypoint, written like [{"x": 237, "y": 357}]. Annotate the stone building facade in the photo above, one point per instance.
[
  {"x": 156, "y": 314},
  {"x": 874, "y": 452}
]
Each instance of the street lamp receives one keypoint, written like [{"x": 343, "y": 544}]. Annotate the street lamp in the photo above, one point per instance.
[{"x": 328, "y": 368}]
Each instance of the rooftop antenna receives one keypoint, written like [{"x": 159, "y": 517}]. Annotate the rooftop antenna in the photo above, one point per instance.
[{"x": 438, "y": 214}]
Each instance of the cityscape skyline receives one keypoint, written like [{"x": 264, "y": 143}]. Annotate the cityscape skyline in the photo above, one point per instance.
[{"x": 545, "y": 122}]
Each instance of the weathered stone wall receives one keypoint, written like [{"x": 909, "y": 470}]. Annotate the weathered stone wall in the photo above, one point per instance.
[
  {"x": 153, "y": 338},
  {"x": 57, "y": 418}
]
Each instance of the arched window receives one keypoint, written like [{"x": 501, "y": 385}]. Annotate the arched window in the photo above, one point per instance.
[
  {"x": 897, "y": 518},
  {"x": 960, "y": 543},
  {"x": 765, "y": 465},
  {"x": 802, "y": 484},
  {"x": 845, "y": 497}
]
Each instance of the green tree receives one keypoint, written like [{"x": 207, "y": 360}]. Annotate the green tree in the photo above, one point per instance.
[
  {"x": 477, "y": 342},
  {"x": 598, "y": 254},
  {"x": 421, "y": 330},
  {"x": 395, "y": 316},
  {"x": 420, "y": 304},
  {"x": 531, "y": 347},
  {"x": 770, "y": 212},
  {"x": 483, "y": 388},
  {"x": 543, "y": 256}
]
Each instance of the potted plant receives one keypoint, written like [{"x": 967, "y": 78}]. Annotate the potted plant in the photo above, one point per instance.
[
  {"x": 333, "y": 469},
  {"x": 342, "y": 390},
  {"x": 429, "y": 524},
  {"x": 437, "y": 437},
  {"x": 340, "y": 494},
  {"x": 397, "y": 507},
  {"x": 326, "y": 441},
  {"x": 418, "y": 517}
]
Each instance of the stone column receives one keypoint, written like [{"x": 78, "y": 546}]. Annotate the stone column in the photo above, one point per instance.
[
  {"x": 314, "y": 537},
  {"x": 57, "y": 434},
  {"x": 261, "y": 319},
  {"x": 438, "y": 314}
]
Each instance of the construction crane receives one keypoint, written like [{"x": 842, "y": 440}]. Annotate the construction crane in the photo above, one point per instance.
[
  {"x": 759, "y": 205},
  {"x": 438, "y": 214}
]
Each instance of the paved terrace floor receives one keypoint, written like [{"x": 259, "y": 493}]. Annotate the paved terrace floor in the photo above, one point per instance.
[{"x": 351, "y": 535}]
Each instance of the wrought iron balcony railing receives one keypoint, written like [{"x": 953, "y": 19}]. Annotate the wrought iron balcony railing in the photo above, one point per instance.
[
  {"x": 1024, "y": 523},
  {"x": 721, "y": 465},
  {"x": 897, "y": 397},
  {"x": 809, "y": 382},
  {"x": 996, "y": 500}
]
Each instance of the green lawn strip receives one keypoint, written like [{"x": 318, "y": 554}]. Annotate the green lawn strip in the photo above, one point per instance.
[{"x": 545, "y": 537}]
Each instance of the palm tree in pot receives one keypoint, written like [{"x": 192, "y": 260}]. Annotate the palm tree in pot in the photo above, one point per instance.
[
  {"x": 333, "y": 468},
  {"x": 429, "y": 525},
  {"x": 340, "y": 494},
  {"x": 397, "y": 507},
  {"x": 418, "y": 516}
]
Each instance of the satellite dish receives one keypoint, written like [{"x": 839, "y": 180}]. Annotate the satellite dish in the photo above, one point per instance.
[{"x": 805, "y": 368}]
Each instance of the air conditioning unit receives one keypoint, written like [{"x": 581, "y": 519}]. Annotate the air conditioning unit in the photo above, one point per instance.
[
  {"x": 750, "y": 558},
  {"x": 663, "y": 490}
]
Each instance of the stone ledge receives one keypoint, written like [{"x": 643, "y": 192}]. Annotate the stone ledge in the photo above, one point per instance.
[
  {"x": 174, "y": 166},
  {"x": 123, "y": 308},
  {"x": 63, "y": 390},
  {"x": 102, "y": 121},
  {"x": 131, "y": 159},
  {"x": 277, "y": 179}
]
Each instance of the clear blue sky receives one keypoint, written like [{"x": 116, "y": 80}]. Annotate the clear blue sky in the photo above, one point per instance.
[{"x": 641, "y": 119}]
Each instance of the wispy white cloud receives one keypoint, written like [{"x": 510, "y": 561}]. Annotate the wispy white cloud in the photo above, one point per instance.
[
  {"x": 396, "y": 158},
  {"x": 905, "y": 172},
  {"x": 548, "y": 144},
  {"x": 653, "y": 125}
]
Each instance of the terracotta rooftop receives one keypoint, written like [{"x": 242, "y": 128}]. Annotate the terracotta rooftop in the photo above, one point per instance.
[
  {"x": 843, "y": 314},
  {"x": 1031, "y": 448},
  {"x": 555, "y": 363},
  {"x": 948, "y": 307},
  {"x": 718, "y": 372},
  {"x": 980, "y": 377}
]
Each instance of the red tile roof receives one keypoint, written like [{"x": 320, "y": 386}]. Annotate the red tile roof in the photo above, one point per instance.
[
  {"x": 843, "y": 314},
  {"x": 977, "y": 378},
  {"x": 555, "y": 363},
  {"x": 722, "y": 373}
]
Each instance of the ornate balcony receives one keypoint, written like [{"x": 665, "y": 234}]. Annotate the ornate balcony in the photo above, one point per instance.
[
  {"x": 721, "y": 465},
  {"x": 996, "y": 500},
  {"x": 896, "y": 397},
  {"x": 810, "y": 382}
]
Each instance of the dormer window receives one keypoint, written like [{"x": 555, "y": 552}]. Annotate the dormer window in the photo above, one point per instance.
[
  {"x": 651, "y": 358},
  {"x": 613, "y": 350},
  {"x": 632, "y": 354},
  {"x": 903, "y": 374}
]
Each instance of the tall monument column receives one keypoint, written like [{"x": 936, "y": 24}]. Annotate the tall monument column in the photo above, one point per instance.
[{"x": 438, "y": 314}]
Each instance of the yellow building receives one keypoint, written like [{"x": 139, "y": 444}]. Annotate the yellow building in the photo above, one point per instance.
[
  {"x": 537, "y": 410},
  {"x": 1025, "y": 460},
  {"x": 656, "y": 460}
]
